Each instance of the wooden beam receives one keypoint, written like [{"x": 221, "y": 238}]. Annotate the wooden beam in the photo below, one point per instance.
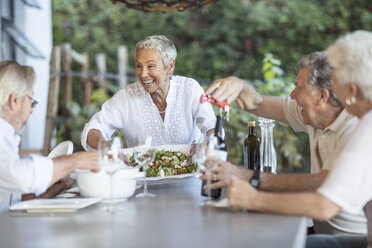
[
  {"x": 101, "y": 66},
  {"x": 86, "y": 84},
  {"x": 55, "y": 68},
  {"x": 123, "y": 65}
]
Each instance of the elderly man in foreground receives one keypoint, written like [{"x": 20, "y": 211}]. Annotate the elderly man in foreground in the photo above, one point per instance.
[
  {"x": 33, "y": 174},
  {"x": 314, "y": 109}
]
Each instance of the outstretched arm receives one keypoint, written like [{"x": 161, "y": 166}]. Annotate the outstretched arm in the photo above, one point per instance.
[
  {"x": 64, "y": 165},
  {"x": 247, "y": 98},
  {"x": 269, "y": 182}
]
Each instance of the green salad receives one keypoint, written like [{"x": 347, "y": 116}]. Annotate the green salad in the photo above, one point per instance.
[{"x": 168, "y": 163}]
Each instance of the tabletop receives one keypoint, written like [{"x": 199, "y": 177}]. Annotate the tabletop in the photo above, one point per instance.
[{"x": 174, "y": 218}]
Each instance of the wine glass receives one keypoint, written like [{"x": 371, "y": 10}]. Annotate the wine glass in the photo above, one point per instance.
[
  {"x": 200, "y": 156},
  {"x": 144, "y": 156},
  {"x": 111, "y": 162}
]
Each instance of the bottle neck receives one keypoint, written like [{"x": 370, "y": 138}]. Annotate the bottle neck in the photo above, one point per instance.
[
  {"x": 251, "y": 130},
  {"x": 219, "y": 126}
]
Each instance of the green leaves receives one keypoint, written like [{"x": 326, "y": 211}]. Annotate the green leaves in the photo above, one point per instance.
[{"x": 223, "y": 39}]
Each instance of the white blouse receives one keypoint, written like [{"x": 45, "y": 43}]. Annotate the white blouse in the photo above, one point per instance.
[{"x": 133, "y": 112}]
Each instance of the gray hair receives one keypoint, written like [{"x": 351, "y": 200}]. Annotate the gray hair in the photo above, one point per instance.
[
  {"x": 320, "y": 73},
  {"x": 161, "y": 43},
  {"x": 351, "y": 57},
  {"x": 14, "y": 79}
]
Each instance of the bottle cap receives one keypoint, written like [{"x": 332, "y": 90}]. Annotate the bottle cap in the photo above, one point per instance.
[{"x": 251, "y": 123}]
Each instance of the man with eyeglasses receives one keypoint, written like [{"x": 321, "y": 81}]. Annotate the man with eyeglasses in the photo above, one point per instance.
[
  {"x": 33, "y": 101},
  {"x": 35, "y": 173}
]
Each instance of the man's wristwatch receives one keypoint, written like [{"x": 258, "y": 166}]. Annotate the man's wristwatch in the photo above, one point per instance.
[{"x": 255, "y": 180}]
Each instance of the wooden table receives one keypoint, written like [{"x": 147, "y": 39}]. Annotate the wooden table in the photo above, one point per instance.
[{"x": 173, "y": 219}]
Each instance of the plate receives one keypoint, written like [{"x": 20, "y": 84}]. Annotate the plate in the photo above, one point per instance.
[
  {"x": 54, "y": 205},
  {"x": 166, "y": 179},
  {"x": 169, "y": 179}
]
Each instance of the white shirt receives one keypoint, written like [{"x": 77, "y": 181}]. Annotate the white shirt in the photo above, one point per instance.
[
  {"x": 326, "y": 145},
  {"x": 349, "y": 185},
  {"x": 27, "y": 175},
  {"x": 133, "y": 112}
]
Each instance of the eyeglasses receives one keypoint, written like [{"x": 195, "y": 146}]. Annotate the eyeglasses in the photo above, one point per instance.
[{"x": 33, "y": 101}]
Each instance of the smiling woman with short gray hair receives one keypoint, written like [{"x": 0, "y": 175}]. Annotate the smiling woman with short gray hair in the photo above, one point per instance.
[{"x": 159, "y": 105}]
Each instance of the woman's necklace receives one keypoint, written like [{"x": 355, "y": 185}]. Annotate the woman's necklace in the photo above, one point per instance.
[{"x": 162, "y": 112}]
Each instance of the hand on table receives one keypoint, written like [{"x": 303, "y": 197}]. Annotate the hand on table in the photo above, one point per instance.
[
  {"x": 241, "y": 194},
  {"x": 221, "y": 172}
]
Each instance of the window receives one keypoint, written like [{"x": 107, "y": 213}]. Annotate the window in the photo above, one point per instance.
[{"x": 11, "y": 36}]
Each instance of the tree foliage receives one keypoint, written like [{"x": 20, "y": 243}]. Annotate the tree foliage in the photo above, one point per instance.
[{"x": 227, "y": 38}]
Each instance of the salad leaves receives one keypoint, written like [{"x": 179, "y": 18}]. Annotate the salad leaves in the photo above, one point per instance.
[{"x": 168, "y": 163}]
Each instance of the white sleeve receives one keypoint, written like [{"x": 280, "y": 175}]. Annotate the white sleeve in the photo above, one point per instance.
[
  {"x": 28, "y": 175},
  {"x": 203, "y": 112},
  {"x": 349, "y": 184},
  {"x": 110, "y": 118}
]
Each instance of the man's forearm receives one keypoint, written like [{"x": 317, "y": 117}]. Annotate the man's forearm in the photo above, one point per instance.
[
  {"x": 62, "y": 167},
  {"x": 312, "y": 205},
  {"x": 292, "y": 182},
  {"x": 272, "y": 108}
]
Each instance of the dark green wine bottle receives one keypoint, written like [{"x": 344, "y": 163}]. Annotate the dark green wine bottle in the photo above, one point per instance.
[{"x": 252, "y": 148}]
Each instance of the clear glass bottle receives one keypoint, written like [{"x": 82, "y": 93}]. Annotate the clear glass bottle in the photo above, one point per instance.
[{"x": 268, "y": 154}]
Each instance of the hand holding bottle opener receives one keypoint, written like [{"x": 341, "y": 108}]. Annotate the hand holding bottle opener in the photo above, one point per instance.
[{"x": 225, "y": 106}]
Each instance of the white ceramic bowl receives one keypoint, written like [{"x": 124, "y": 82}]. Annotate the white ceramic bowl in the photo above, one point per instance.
[{"x": 97, "y": 185}]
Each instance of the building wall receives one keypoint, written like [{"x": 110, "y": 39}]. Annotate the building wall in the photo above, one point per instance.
[{"x": 37, "y": 26}]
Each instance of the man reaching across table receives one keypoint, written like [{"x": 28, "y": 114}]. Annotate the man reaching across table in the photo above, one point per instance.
[
  {"x": 314, "y": 109},
  {"x": 35, "y": 173}
]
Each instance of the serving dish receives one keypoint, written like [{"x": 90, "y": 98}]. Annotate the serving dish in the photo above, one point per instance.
[
  {"x": 165, "y": 179},
  {"x": 97, "y": 184}
]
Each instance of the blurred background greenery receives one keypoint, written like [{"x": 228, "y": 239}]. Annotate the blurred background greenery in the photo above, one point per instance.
[{"x": 257, "y": 40}]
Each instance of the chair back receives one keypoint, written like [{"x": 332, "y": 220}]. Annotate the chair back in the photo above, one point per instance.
[{"x": 63, "y": 148}]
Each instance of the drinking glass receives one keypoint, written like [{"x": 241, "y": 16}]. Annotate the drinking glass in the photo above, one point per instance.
[
  {"x": 111, "y": 162},
  {"x": 144, "y": 156},
  {"x": 200, "y": 156}
]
